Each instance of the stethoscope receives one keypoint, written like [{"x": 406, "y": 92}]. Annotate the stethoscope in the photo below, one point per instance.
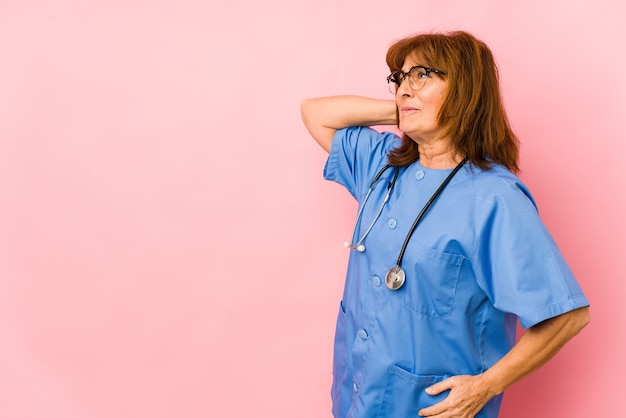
[
  {"x": 396, "y": 276},
  {"x": 359, "y": 246}
]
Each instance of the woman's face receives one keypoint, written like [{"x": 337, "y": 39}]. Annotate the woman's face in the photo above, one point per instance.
[{"x": 418, "y": 110}]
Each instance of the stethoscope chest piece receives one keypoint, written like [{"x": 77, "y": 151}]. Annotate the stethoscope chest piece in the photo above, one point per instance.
[{"x": 395, "y": 278}]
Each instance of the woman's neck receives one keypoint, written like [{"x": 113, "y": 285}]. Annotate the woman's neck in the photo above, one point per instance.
[{"x": 438, "y": 155}]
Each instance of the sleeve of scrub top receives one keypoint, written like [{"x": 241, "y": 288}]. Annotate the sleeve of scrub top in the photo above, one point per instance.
[
  {"x": 517, "y": 261},
  {"x": 356, "y": 155}
]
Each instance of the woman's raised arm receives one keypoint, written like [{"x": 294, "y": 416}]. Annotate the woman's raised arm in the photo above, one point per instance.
[{"x": 323, "y": 116}]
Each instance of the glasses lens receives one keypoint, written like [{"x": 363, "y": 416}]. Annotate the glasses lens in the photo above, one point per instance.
[
  {"x": 417, "y": 78},
  {"x": 393, "y": 87},
  {"x": 394, "y": 81}
]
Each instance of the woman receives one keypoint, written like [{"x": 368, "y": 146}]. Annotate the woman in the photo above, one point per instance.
[{"x": 448, "y": 250}]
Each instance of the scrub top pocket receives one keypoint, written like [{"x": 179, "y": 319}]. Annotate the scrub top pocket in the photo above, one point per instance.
[
  {"x": 405, "y": 394},
  {"x": 431, "y": 281}
]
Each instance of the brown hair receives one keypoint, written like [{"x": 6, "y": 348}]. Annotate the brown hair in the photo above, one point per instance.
[{"x": 472, "y": 114}]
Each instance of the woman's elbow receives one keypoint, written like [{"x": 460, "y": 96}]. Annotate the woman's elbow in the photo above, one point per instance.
[
  {"x": 322, "y": 134},
  {"x": 585, "y": 317},
  {"x": 579, "y": 319},
  {"x": 304, "y": 109}
]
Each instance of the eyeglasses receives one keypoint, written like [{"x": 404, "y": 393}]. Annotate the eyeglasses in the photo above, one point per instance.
[{"x": 417, "y": 77}]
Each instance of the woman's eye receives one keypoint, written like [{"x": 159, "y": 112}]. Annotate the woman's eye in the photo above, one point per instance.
[{"x": 418, "y": 74}]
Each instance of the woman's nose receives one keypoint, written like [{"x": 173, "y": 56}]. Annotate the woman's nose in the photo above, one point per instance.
[{"x": 404, "y": 88}]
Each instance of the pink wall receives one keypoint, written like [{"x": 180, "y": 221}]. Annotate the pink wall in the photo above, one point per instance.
[{"x": 168, "y": 247}]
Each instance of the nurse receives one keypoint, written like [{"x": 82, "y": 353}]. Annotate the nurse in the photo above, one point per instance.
[{"x": 448, "y": 251}]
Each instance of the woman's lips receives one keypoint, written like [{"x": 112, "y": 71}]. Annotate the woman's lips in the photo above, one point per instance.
[{"x": 406, "y": 109}]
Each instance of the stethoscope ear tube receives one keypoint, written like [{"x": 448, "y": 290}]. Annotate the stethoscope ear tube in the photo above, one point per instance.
[{"x": 359, "y": 246}]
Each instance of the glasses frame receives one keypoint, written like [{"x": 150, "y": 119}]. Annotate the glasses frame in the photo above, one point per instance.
[{"x": 392, "y": 78}]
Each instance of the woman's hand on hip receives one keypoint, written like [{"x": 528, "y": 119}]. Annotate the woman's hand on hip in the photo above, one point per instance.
[{"x": 467, "y": 396}]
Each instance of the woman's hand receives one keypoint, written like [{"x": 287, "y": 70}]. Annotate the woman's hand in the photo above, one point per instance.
[{"x": 467, "y": 396}]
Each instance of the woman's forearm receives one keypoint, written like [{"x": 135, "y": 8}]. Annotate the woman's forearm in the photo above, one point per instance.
[
  {"x": 538, "y": 345},
  {"x": 323, "y": 116}
]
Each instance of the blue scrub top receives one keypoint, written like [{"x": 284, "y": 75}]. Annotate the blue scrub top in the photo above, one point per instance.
[{"x": 480, "y": 259}]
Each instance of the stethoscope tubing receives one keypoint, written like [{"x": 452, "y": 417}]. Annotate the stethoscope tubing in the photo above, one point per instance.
[
  {"x": 395, "y": 276},
  {"x": 425, "y": 209},
  {"x": 359, "y": 245}
]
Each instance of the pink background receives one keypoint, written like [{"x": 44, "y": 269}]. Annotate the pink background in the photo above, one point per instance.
[{"x": 168, "y": 247}]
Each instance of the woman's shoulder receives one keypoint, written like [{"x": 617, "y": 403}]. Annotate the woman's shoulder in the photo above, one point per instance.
[
  {"x": 356, "y": 155},
  {"x": 364, "y": 143},
  {"x": 498, "y": 184},
  {"x": 366, "y": 136}
]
